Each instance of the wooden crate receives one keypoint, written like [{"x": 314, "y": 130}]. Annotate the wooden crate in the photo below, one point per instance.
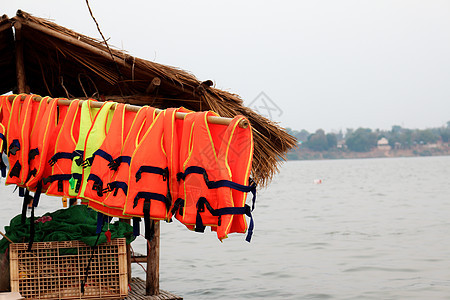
[{"x": 48, "y": 271}]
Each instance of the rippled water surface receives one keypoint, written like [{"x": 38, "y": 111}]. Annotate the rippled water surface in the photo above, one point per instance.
[{"x": 373, "y": 229}]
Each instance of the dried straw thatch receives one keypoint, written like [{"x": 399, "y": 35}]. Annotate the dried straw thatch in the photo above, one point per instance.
[{"x": 62, "y": 63}]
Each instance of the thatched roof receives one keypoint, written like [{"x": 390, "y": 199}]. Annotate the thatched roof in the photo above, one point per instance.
[{"x": 62, "y": 63}]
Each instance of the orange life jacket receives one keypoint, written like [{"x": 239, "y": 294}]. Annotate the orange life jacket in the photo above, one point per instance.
[
  {"x": 209, "y": 185},
  {"x": 148, "y": 193},
  {"x": 19, "y": 127},
  {"x": 118, "y": 187},
  {"x": 61, "y": 159},
  {"x": 107, "y": 158},
  {"x": 33, "y": 154},
  {"x": 172, "y": 135},
  {"x": 43, "y": 142},
  {"x": 5, "y": 106},
  {"x": 5, "y": 111}
]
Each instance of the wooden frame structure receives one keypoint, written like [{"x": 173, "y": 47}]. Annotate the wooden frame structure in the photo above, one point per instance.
[{"x": 41, "y": 57}]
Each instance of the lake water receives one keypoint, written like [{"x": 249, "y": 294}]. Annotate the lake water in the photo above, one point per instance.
[{"x": 373, "y": 229}]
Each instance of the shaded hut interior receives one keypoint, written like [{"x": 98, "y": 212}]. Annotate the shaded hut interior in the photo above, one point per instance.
[{"x": 58, "y": 62}]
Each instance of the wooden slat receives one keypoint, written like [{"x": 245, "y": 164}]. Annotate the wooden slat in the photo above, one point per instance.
[{"x": 137, "y": 292}]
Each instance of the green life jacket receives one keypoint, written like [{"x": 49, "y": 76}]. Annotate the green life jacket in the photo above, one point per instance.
[{"x": 94, "y": 124}]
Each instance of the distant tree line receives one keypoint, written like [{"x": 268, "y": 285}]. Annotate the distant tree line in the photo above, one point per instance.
[{"x": 365, "y": 139}]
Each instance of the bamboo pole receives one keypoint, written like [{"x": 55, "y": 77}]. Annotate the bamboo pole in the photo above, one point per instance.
[
  {"x": 135, "y": 108},
  {"x": 152, "y": 280},
  {"x": 20, "y": 67}
]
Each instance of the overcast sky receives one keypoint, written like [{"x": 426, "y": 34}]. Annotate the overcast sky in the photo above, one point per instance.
[{"x": 320, "y": 64}]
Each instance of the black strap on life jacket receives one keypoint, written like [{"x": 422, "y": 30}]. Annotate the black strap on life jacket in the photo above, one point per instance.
[
  {"x": 21, "y": 191},
  {"x": 136, "y": 226},
  {"x": 202, "y": 203},
  {"x": 154, "y": 170},
  {"x": 220, "y": 183},
  {"x": 103, "y": 154},
  {"x": 98, "y": 184},
  {"x": 60, "y": 155},
  {"x": 26, "y": 201},
  {"x": 2, "y": 167},
  {"x": 114, "y": 165},
  {"x": 14, "y": 147},
  {"x": 2, "y": 136},
  {"x": 32, "y": 154},
  {"x": 59, "y": 177},
  {"x": 36, "y": 197},
  {"x": 115, "y": 186},
  {"x": 178, "y": 206},
  {"x": 100, "y": 223},
  {"x": 152, "y": 196},
  {"x": 149, "y": 224}
]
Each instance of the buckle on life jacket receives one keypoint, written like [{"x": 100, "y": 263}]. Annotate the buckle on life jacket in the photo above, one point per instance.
[
  {"x": 47, "y": 180},
  {"x": 180, "y": 176},
  {"x": 15, "y": 171},
  {"x": 79, "y": 161},
  {"x": 87, "y": 162},
  {"x": 60, "y": 186},
  {"x": 99, "y": 188},
  {"x": 114, "y": 165},
  {"x": 77, "y": 187},
  {"x": 116, "y": 185},
  {"x": 178, "y": 206},
  {"x": 31, "y": 173},
  {"x": 14, "y": 147},
  {"x": 32, "y": 154},
  {"x": 107, "y": 189},
  {"x": 110, "y": 187},
  {"x": 52, "y": 161},
  {"x": 165, "y": 175},
  {"x": 138, "y": 175}
]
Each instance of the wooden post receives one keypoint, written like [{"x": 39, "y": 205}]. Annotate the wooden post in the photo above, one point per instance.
[
  {"x": 20, "y": 66},
  {"x": 128, "y": 221},
  {"x": 152, "y": 284}
]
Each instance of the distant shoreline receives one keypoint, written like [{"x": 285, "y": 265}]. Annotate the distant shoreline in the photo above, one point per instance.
[{"x": 306, "y": 154}]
